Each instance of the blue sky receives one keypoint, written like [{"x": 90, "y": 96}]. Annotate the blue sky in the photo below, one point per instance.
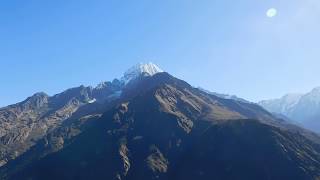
[{"x": 225, "y": 46}]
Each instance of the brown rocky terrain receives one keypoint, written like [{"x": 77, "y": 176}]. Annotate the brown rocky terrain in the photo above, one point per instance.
[{"x": 163, "y": 128}]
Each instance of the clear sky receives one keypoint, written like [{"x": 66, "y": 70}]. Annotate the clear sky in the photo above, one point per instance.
[{"x": 225, "y": 46}]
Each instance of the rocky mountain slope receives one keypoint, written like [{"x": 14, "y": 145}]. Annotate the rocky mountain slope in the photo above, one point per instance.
[
  {"x": 23, "y": 124},
  {"x": 301, "y": 108},
  {"x": 160, "y": 127}
]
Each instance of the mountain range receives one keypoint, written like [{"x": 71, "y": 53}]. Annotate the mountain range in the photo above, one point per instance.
[
  {"x": 150, "y": 125},
  {"x": 303, "y": 109}
]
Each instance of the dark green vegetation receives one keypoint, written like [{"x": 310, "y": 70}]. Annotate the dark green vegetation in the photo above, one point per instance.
[{"x": 162, "y": 128}]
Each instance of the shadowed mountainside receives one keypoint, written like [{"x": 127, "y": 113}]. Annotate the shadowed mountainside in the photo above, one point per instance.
[{"x": 162, "y": 128}]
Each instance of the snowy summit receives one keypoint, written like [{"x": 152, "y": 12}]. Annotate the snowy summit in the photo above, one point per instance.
[{"x": 148, "y": 69}]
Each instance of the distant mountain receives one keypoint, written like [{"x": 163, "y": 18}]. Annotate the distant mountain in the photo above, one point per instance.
[
  {"x": 224, "y": 96},
  {"x": 301, "y": 108},
  {"x": 152, "y": 126}
]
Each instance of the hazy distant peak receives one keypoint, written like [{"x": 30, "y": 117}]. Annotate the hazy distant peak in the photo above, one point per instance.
[
  {"x": 292, "y": 97},
  {"x": 224, "y": 96},
  {"x": 313, "y": 96},
  {"x": 317, "y": 89},
  {"x": 302, "y": 108}
]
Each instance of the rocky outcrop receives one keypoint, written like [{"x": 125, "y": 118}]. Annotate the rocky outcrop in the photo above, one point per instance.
[{"x": 22, "y": 125}]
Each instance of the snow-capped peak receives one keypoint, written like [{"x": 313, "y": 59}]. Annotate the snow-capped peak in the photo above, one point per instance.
[{"x": 148, "y": 69}]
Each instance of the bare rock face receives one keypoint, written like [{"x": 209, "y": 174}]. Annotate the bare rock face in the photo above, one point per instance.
[
  {"x": 123, "y": 152},
  {"x": 156, "y": 161},
  {"x": 17, "y": 125},
  {"x": 23, "y": 124}
]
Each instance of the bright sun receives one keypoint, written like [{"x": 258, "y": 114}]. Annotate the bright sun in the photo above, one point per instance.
[{"x": 272, "y": 12}]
